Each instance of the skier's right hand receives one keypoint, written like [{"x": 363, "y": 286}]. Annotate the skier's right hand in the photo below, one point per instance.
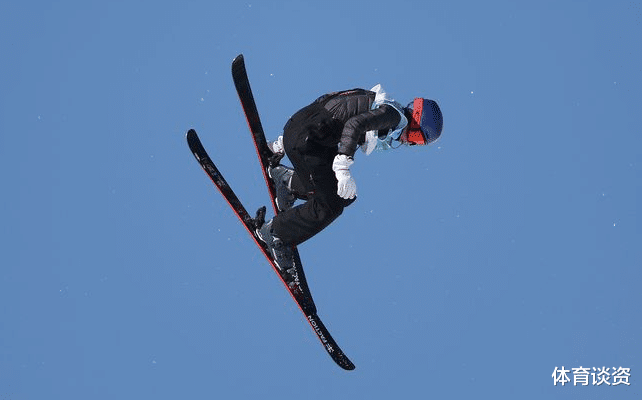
[{"x": 346, "y": 187}]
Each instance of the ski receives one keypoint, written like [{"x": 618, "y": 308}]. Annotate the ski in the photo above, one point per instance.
[
  {"x": 304, "y": 296},
  {"x": 296, "y": 284}
]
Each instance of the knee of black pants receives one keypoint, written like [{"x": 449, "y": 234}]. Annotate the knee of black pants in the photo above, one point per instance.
[{"x": 330, "y": 208}]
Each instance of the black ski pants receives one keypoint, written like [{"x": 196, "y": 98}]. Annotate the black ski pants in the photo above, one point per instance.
[{"x": 310, "y": 140}]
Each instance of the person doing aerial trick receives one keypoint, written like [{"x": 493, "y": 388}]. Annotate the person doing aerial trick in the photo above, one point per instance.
[{"x": 320, "y": 140}]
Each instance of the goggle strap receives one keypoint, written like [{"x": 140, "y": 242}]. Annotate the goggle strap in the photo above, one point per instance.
[{"x": 415, "y": 135}]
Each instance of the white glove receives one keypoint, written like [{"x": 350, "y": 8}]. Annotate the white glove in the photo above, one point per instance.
[
  {"x": 347, "y": 188},
  {"x": 277, "y": 146}
]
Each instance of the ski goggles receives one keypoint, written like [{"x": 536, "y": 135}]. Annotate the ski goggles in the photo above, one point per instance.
[{"x": 425, "y": 124}]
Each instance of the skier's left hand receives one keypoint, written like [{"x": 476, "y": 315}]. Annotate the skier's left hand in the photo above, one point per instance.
[
  {"x": 346, "y": 187},
  {"x": 278, "y": 151},
  {"x": 277, "y": 146}
]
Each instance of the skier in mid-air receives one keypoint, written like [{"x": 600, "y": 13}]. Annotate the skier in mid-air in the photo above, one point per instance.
[{"x": 320, "y": 141}]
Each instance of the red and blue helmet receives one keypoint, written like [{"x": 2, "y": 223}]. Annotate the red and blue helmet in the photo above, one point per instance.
[{"x": 424, "y": 123}]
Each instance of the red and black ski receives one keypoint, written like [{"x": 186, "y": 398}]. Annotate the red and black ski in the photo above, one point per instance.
[{"x": 296, "y": 284}]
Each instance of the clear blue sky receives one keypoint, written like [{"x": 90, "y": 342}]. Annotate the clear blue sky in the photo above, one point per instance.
[{"x": 468, "y": 269}]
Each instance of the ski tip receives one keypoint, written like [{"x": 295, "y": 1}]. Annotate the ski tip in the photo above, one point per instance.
[
  {"x": 238, "y": 60},
  {"x": 194, "y": 142}
]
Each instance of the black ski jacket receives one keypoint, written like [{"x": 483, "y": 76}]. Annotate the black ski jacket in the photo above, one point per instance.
[{"x": 352, "y": 108}]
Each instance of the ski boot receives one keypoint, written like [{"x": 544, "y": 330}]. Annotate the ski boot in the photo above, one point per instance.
[
  {"x": 282, "y": 178},
  {"x": 282, "y": 253}
]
